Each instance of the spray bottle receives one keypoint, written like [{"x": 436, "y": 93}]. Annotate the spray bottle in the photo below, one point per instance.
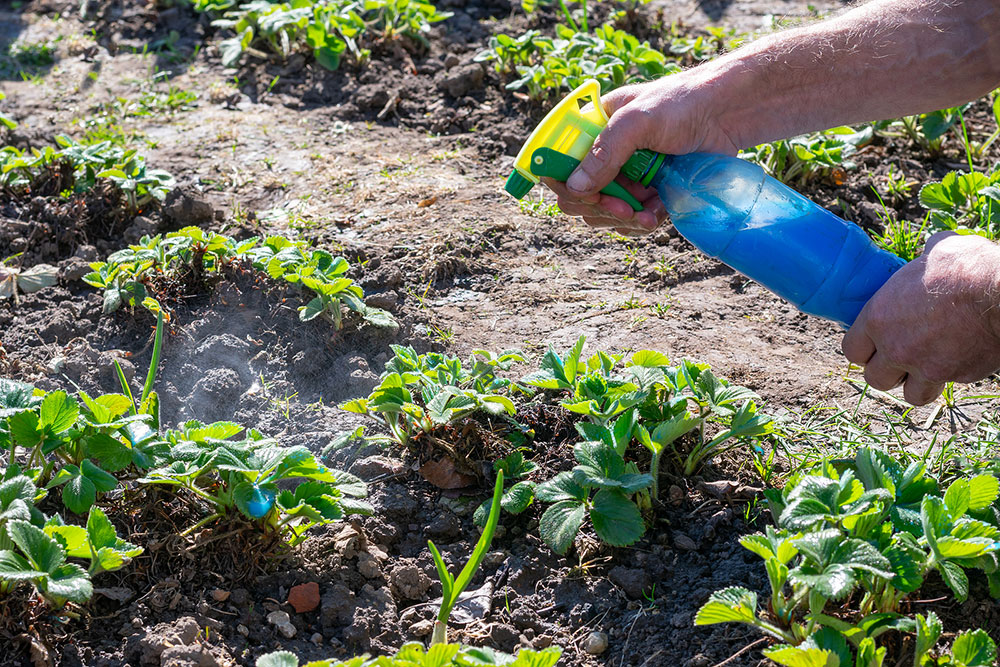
[{"x": 728, "y": 208}]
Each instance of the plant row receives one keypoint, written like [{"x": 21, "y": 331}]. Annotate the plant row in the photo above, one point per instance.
[
  {"x": 85, "y": 165},
  {"x": 683, "y": 413},
  {"x": 92, "y": 448},
  {"x": 854, "y": 541},
  {"x": 328, "y": 29},
  {"x": 137, "y": 275}
]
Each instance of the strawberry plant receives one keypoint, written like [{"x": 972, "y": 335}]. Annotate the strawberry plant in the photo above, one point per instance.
[
  {"x": 927, "y": 131},
  {"x": 41, "y": 560},
  {"x": 801, "y": 160},
  {"x": 601, "y": 488},
  {"x": 414, "y": 654},
  {"x": 88, "y": 163},
  {"x": 965, "y": 201},
  {"x": 421, "y": 392},
  {"x": 328, "y": 29},
  {"x": 865, "y": 524},
  {"x": 243, "y": 476},
  {"x": 545, "y": 66},
  {"x": 131, "y": 275},
  {"x": 654, "y": 403}
]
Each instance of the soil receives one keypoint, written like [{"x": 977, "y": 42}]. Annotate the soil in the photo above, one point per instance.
[{"x": 400, "y": 169}]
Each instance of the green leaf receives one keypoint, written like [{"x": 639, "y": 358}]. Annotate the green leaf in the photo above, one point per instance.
[
  {"x": 955, "y": 578},
  {"x": 983, "y": 489},
  {"x": 68, "y": 582},
  {"x": 112, "y": 453},
  {"x": 312, "y": 310},
  {"x": 730, "y": 605},
  {"x": 950, "y": 547},
  {"x": 957, "y": 498},
  {"x": 72, "y": 538},
  {"x": 795, "y": 656},
  {"x": 42, "y": 551},
  {"x": 15, "y": 568},
  {"x": 278, "y": 659},
  {"x": 974, "y": 649},
  {"x": 561, "y": 487},
  {"x": 616, "y": 519},
  {"x": 58, "y": 412},
  {"x": 649, "y": 359},
  {"x": 929, "y": 629},
  {"x": 560, "y": 523}
]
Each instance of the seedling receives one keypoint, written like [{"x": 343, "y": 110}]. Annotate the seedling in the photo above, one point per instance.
[
  {"x": 519, "y": 496},
  {"x": 865, "y": 524},
  {"x": 413, "y": 654},
  {"x": 41, "y": 560},
  {"x": 452, "y": 587}
]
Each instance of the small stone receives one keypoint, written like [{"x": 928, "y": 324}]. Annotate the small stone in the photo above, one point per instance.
[
  {"x": 242, "y": 629},
  {"x": 422, "y": 628},
  {"x": 287, "y": 630},
  {"x": 278, "y": 618},
  {"x": 595, "y": 643},
  {"x": 698, "y": 660},
  {"x": 220, "y": 595},
  {"x": 410, "y": 582},
  {"x": 377, "y": 466},
  {"x": 304, "y": 597},
  {"x": 684, "y": 543},
  {"x": 316, "y": 639},
  {"x": 55, "y": 366},
  {"x": 676, "y": 494}
]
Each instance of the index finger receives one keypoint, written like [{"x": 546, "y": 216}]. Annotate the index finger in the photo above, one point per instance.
[{"x": 858, "y": 347}]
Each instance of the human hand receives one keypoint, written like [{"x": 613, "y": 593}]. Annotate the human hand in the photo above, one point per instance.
[
  {"x": 669, "y": 115},
  {"x": 936, "y": 320}
]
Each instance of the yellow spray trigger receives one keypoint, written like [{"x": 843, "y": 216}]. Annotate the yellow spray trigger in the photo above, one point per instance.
[{"x": 561, "y": 141}]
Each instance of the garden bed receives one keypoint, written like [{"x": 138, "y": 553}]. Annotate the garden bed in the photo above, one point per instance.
[{"x": 397, "y": 165}]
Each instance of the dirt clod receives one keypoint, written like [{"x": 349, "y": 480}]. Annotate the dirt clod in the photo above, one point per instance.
[
  {"x": 409, "y": 582},
  {"x": 304, "y": 597}
]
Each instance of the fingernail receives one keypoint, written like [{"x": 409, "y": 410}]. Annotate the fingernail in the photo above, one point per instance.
[{"x": 579, "y": 181}]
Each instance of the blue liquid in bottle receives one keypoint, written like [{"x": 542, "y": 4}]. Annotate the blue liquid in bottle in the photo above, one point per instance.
[{"x": 730, "y": 209}]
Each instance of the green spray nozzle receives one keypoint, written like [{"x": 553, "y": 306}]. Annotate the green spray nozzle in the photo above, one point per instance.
[{"x": 564, "y": 137}]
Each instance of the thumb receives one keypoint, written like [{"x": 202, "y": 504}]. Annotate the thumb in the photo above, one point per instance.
[{"x": 613, "y": 146}]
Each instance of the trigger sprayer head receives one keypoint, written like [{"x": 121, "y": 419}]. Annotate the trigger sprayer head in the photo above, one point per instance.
[
  {"x": 567, "y": 128},
  {"x": 563, "y": 139}
]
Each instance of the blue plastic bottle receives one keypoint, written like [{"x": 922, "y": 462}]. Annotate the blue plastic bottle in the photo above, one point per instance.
[{"x": 730, "y": 209}]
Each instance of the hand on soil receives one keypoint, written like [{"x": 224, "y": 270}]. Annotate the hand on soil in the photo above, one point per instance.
[{"x": 935, "y": 321}]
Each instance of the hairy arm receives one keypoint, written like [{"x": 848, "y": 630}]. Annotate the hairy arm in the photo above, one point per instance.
[{"x": 884, "y": 59}]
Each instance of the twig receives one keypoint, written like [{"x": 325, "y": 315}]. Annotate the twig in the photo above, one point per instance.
[{"x": 741, "y": 652}]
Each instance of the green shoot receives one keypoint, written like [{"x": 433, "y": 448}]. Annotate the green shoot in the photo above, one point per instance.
[{"x": 452, "y": 588}]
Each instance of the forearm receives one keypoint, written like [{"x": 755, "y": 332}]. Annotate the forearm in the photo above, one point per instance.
[{"x": 885, "y": 59}]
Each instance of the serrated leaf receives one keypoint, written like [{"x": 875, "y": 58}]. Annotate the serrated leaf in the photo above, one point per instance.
[
  {"x": 616, "y": 519},
  {"x": 795, "y": 656},
  {"x": 957, "y": 497},
  {"x": 278, "y": 659},
  {"x": 559, "y": 488},
  {"x": 560, "y": 523},
  {"x": 983, "y": 490},
  {"x": 68, "y": 582},
  {"x": 41, "y": 550},
  {"x": 58, "y": 412},
  {"x": 974, "y": 649},
  {"x": 955, "y": 578},
  {"x": 730, "y": 605}
]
